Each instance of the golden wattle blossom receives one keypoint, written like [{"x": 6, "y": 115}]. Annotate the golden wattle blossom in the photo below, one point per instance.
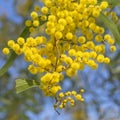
[{"x": 73, "y": 39}]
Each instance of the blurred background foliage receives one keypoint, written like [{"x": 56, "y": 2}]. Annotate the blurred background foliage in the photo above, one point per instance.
[{"x": 102, "y": 86}]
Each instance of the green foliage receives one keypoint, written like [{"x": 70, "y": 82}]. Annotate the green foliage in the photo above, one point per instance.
[
  {"x": 22, "y": 84},
  {"x": 9, "y": 62},
  {"x": 112, "y": 2}
]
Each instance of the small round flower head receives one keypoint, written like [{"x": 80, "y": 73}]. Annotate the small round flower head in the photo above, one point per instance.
[
  {"x": 82, "y": 39},
  {"x": 58, "y": 35},
  {"x": 107, "y": 60},
  {"x": 104, "y": 5},
  {"x": 44, "y": 10},
  {"x": 82, "y": 90},
  {"x": 69, "y": 35},
  {"x": 100, "y": 58},
  {"x": 72, "y": 52},
  {"x": 20, "y": 40},
  {"x": 10, "y": 43},
  {"x": 28, "y": 23},
  {"x": 36, "y": 23},
  {"x": 112, "y": 48},
  {"x": 37, "y": 8},
  {"x": 34, "y": 15},
  {"x": 5, "y": 51}
]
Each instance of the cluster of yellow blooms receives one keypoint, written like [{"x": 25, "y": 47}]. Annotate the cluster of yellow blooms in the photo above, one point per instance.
[
  {"x": 73, "y": 40},
  {"x": 64, "y": 98}
]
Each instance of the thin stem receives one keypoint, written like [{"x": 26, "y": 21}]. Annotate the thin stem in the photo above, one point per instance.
[{"x": 57, "y": 53}]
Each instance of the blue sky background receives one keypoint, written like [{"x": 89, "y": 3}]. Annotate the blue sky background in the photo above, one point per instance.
[{"x": 7, "y": 9}]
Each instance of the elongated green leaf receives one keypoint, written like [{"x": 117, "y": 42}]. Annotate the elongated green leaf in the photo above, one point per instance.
[
  {"x": 114, "y": 2},
  {"x": 22, "y": 85},
  {"x": 8, "y": 63},
  {"x": 112, "y": 26},
  {"x": 111, "y": 2}
]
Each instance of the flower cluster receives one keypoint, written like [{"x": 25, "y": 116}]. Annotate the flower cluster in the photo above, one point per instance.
[
  {"x": 68, "y": 97},
  {"x": 73, "y": 40}
]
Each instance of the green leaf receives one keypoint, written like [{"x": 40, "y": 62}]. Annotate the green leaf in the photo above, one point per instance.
[
  {"x": 112, "y": 26},
  {"x": 22, "y": 85},
  {"x": 8, "y": 63},
  {"x": 111, "y": 2},
  {"x": 114, "y": 2}
]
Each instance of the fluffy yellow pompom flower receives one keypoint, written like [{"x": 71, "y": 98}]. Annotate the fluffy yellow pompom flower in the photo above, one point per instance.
[
  {"x": 100, "y": 58},
  {"x": 61, "y": 95},
  {"x": 81, "y": 39},
  {"x": 112, "y": 48},
  {"x": 20, "y": 40},
  {"x": 107, "y": 36},
  {"x": 34, "y": 15},
  {"x": 11, "y": 43},
  {"x": 72, "y": 52},
  {"x": 104, "y": 5},
  {"x": 99, "y": 38},
  {"x": 96, "y": 13},
  {"x": 58, "y": 35},
  {"x": 75, "y": 66},
  {"x": 69, "y": 35},
  {"x": 44, "y": 10},
  {"x": 78, "y": 97},
  {"x": 106, "y": 60},
  {"x": 37, "y": 8},
  {"x": 62, "y": 21},
  {"x": 28, "y": 23},
  {"x": 6, "y": 51},
  {"x": 36, "y": 23}
]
